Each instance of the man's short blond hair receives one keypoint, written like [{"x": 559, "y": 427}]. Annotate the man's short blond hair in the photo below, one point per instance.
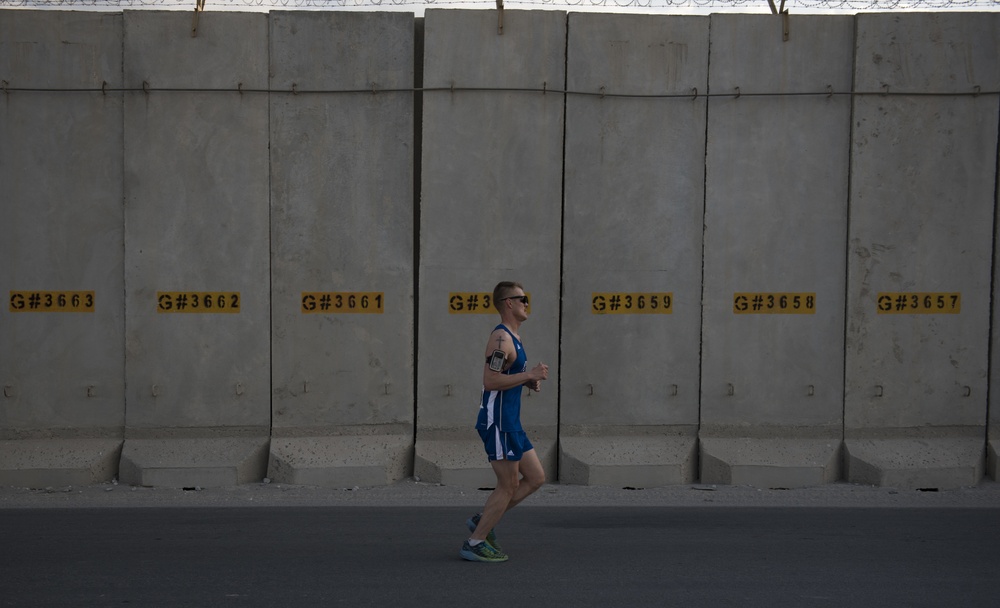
[{"x": 503, "y": 290}]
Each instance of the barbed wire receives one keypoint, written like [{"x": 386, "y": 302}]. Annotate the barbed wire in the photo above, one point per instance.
[
  {"x": 974, "y": 91},
  {"x": 638, "y": 5}
]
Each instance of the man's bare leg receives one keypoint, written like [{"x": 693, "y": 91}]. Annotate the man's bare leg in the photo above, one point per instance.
[
  {"x": 516, "y": 480},
  {"x": 532, "y": 478},
  {"x": 496, "y": 504}
]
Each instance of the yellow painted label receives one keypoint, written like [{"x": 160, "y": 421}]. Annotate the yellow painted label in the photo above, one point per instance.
[
  {"x": 219, "y": 302},
  {"x": 631, "y": 303},
  {"x": 766, "y": 303},
  {"x": 474, "y": 303},
  {"x": 919, "y": 303},
  {"x": 52, "y": 301},
  {"x": 338, "y": 302}
]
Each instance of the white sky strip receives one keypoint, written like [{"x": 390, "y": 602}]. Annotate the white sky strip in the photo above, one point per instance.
[{"x": 418, "y": 6}]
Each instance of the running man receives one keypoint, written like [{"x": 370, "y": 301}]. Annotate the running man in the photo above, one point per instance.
[{"x": 518, "y": 470}]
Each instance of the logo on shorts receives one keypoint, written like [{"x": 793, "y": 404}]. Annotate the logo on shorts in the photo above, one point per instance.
[{"x": 510, "y": 452}]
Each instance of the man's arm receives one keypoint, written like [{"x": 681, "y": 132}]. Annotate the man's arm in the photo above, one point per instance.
[{"x": 495, "y": 380}]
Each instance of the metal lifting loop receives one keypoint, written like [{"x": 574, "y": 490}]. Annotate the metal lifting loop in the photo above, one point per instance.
[{"x": 198, "y": 8}]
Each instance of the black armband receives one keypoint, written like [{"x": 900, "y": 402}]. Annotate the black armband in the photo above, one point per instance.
[{"x": 496, "y": 360}]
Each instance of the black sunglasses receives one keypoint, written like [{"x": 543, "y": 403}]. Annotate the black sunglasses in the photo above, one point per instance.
[{"x": 524, "y": 299}]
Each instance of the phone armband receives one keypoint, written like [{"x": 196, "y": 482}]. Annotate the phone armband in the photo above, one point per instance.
[{"x": 497, "y": 360}]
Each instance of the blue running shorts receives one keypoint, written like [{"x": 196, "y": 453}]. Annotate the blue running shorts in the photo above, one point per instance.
[{"x": 505, "y": 446}]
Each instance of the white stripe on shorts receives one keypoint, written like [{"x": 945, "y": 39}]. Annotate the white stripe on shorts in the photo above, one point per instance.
[{"x": 499, "y": 445}]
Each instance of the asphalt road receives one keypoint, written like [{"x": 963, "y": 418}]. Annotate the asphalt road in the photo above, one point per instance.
[{"x": 560, "y": 556}]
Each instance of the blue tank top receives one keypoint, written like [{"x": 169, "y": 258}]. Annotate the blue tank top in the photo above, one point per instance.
[{"x": 503, "y": 408}]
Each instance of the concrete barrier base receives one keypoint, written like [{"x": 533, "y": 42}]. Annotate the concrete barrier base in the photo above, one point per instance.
[
  {"x": 459, "y": 462},
  {"x": 201, "y": 462},
  {"x": 39, "y": 463},
  {"x": 452, "y": 463},
  {"x": 778, "y": 462},
  {"x": 916, "y": 463},
  {"x": 633, "y": 461},
  {"x": 341, "y": 461}
]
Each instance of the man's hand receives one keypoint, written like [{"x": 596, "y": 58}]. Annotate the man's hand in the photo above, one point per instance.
[
  {"x": 539, "y": 372},
  {"x": 536, "y": 375}
]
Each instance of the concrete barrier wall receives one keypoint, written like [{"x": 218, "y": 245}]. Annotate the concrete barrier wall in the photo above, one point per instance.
[
  {"x": 62, "y": 361},
  {"x": 757, "y": 250},
  {"x": 634, "y": 191},
  {"x": 198, "y": 407},
  {"x": 923, "y": 199},
  {"x": 490, "y": 210},
  {"x": 342, "y": 247},
  {"x": 776, "y": 212}
]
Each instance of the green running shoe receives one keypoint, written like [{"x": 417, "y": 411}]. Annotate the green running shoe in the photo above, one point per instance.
[
  {"x": 491, "y": 538},
  {"x": 482, "y": 552}
]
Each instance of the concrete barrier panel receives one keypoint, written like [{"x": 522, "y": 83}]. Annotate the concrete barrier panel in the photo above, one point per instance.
[
  {"x": 62, "y": 406},
  {"x": 490, "y": 211},
  {"x": 342, "y": 247},
  {"x": 634, "y": 192},
  {"x": 196, "y": 246},
  {"x": 919, "y": 261},
  {"x": 775, "y": 232},
  {"x": 993, "y": 431}
]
